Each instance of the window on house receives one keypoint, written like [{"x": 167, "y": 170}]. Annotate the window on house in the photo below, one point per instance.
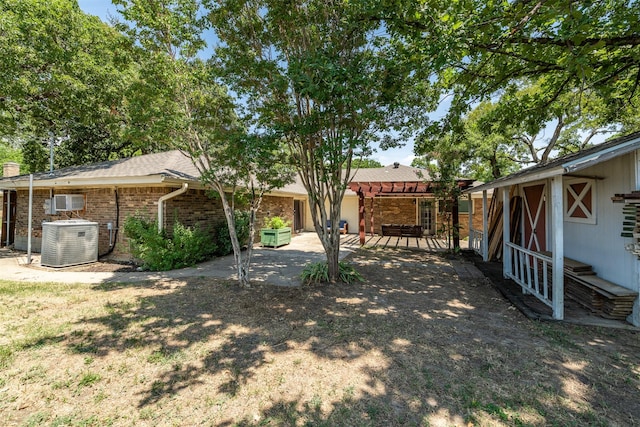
[
  {"x": 580, "y": 200},
  {"x": 463, "y": 206}
]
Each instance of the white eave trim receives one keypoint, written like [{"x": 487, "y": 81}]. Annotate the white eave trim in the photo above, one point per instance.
[
  {"x": 534, "y": 176},
  {"x": 62, "y": 182},
  {"x": 601, "y": 156}
]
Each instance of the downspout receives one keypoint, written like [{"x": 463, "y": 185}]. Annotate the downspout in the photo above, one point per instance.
[{"x": 164, "y": 198}]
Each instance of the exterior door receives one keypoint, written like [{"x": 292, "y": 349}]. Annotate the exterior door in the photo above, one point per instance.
[
  {"x": 8, "y": 218},
  {"x": 427, "y": 215},
  {"x": 535, "y": 217},
  {"x": 298, "y": 215}
]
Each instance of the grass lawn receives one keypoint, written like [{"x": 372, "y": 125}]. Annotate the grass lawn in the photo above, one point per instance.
[{"x": 412, "y": 345}]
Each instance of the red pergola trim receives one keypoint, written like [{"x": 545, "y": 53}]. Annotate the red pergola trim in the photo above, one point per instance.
[
  {"x": 391, "y": 188},
  {"x": 372, "y": 189}
]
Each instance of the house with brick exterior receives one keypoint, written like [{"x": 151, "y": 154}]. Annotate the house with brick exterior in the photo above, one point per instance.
[
  {"x": 380, "y": 199},
  {"x": 167, "y": 186}
]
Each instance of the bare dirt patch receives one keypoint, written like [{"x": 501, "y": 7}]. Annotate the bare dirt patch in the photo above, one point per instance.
[{"x": 412, "y": 345}]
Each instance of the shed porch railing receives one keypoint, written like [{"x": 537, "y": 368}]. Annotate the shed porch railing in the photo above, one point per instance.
[
  {"x": 532, "y": 271},
  {"x": 475, "y": 240}
]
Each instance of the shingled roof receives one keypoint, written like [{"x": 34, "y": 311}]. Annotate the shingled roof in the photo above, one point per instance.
[
  {"x": 391, "y": 173},
  {"x": 174, "y": 167},
  {"x": 156, "y": 167},
  {"x": 170, "y": 167},
  {"x": 569, "y": 163}
]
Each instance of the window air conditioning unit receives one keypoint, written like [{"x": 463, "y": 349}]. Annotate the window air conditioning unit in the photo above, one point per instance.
[
  {"x": 69, "y": 242},
  {"x": 68, "y": 202}
]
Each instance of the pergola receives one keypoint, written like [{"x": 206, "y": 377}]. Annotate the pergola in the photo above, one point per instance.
[{"x": 375, "y": 189}]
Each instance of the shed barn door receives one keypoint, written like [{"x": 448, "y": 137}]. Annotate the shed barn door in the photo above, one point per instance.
[{"x": 535, "y": 217}]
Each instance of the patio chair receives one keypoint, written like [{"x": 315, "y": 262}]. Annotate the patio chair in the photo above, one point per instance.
[{"x": 344, "y": 226}]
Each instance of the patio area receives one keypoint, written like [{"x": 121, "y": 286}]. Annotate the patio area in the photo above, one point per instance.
[{"x": 425, "y": 243}]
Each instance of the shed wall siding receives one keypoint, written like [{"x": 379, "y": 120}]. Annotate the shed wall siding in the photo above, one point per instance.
[{"x": 600, "y": 244}]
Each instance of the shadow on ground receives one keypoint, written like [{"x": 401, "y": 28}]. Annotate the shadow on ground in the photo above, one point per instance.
[{"x": 412, "y": 345}]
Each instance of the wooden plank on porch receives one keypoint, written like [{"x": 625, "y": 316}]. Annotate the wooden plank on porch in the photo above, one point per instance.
[
  {"x": 601, "y": 296},
  {"x": 573, "y": 266}
]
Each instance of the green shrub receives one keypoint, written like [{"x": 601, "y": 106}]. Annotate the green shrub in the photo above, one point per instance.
[
  {"x": 242, "y": 227},
  {"x": 319, "y": 272},
  {"x": 159, "y": 252},
  {"x": 221, "y": 233},
  {"x": 276, "y": 222}
]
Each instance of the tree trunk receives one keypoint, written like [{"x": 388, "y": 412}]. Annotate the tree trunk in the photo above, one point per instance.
[
  {"x": 242, "y": 267},
  {"x": 332, "y": 250},
  {"x": 333, "y": 263},
  {"x": 456, "y": 223},
  {"x": 330, "y": 238}
]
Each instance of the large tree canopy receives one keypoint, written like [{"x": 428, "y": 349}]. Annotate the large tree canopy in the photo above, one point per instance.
[
  {"x": 570, "y": 69},
  {"x": 317, "y": 74},
  {"x": 477, "y": 48},
  {"x": 63, "y": 75},
  {"x": 178, "y": 103}
]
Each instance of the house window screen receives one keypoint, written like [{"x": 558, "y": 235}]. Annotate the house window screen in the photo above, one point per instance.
[{"x": 465, "y": 206}]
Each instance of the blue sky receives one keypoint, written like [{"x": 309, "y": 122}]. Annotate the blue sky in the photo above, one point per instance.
[{"x": 104, "y": 9}]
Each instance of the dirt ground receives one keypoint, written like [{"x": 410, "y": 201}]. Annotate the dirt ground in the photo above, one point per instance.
[{"x": 411, "y": 345}]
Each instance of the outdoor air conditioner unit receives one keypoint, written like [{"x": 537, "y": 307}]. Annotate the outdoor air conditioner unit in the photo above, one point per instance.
[
  {"x": 68, "y": 202},
  {"x": 69, "y": 242}
]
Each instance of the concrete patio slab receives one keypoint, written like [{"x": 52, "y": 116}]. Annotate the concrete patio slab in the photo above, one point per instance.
[{"x": 281, "y": 266}]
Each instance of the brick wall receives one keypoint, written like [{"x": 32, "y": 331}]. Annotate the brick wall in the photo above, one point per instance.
[
  {"x": 192, "y": 208},
  {"x": 273, "y": 206},
  {"x": 476, "y": 218},
  {"x": 477, "y": 214},
  {"x": 402, "y": 210},
  {"x": 389, "y": 210}
]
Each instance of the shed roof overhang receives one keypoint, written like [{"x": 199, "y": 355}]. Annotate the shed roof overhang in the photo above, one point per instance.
[{"x": 566, "y": 165}]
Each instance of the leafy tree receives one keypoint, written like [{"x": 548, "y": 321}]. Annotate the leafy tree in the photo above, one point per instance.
[
  {"x": 63, "y": 73},
  {"x": 477, "y": 48},
  {"x": 499, "y": 138},
  {"x": 178, "y": 103},
  {"x": 9, "y": 152},
  {"x": 320, "y": 76},
  {"x": 365, "y": 163}
]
